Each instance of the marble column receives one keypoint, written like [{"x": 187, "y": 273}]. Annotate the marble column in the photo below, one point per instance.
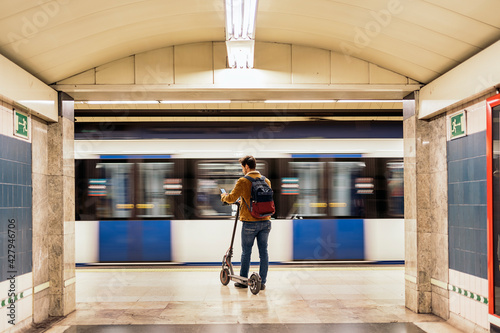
[
  {"x": 426, "y": 212},
  {"x": 61, "y": 200},
  {"x": 40, "y": 170}
]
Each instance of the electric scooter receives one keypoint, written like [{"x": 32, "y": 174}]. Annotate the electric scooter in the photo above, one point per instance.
[{"x": 227, "y": 273}]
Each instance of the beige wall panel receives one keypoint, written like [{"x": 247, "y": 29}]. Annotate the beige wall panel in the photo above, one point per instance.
[
  {"x": 220, "y": 56},
  {"x": 310, "y": 65},
  {"x": 87, "y": 77},
  {"x": 116, "y": 72},
  {"x": 20, "y": 86},
  {"x": 276, "y": 58},
  {"x": 479, "y": 73},
  {"x": 155, "y": 67},
  {"x": 380, "y": 75},
  {"x": 193, "y": 63},
  {"x": 348, "y": 69}
]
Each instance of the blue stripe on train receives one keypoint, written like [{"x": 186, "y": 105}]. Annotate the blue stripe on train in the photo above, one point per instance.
[
  {"x": 134, "y": 241},
  {"x": 328, "y": 239}
]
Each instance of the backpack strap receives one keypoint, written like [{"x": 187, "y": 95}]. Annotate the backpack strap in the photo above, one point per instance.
[
  {"x": 254, "y": 179},
  {"x": 251, "y": 179}
]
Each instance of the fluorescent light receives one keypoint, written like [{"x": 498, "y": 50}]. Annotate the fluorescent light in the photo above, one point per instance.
[
  {"x": 154, "y": 102},
  {"x": 118, "y": 102},
  {"x": 37, "y": 102},
  {"x": 197, "y": 102},
  {"x": 301, "y": 101},
  {"x": 240, "y": 53},
  {"x": 240, "y": 19},
  {"x": 240, "y": 32},
  {"x": 369, "y": 100}
]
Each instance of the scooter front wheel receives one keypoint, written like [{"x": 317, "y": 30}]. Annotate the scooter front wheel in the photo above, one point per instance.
[
  {"x": 254, "y": 283},
  {"x": 224, "y": 276}
]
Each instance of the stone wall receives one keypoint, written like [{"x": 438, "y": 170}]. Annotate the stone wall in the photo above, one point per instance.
[
  {"x": 445, "y": 217},
  {"x": 37, "y": 184},
  {"x": 426, "y": 228},
  {"x": 16, "y": 285}
]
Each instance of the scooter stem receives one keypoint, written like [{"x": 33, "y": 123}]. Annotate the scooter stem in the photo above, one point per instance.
[{"x": 235, "y": 224}]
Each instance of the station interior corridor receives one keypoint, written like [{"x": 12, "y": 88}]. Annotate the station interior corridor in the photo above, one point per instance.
[{"x": 376, "y": 121}]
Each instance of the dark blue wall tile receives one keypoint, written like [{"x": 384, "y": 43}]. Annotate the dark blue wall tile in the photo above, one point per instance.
[
  {"x": 467, "y": 203},
  {"x": 29, "y": 262},
  {"x": 477, "y": 190},
  {"x": 451, "y": 195},
  {"x": 454, "y": 169},
  {"x": 2, "y": 171},
  {"x": 483, "y": 192},
  {"x": 3, "y": 241},
  {"x": 3, "y": 272},
  {"x": 484, "y": 266},
  {"x": 482, "y": 216},
  {"x": 454, "y": 238},
  {"x": 3, "y": 220},
  {"x": 461, "y": 260},
  {"x": 471, "y": 216},
  {"x": 483, "y": 242},
  {"x": 18, "y": 196},
  {"x": 455, "y": 193},
  {"x": 452, "y": 214},
  {"x": 19, "y": 262},
  {"x": 451, "y": 256},
  {"x": 477, "y": 264},
  {"x": 464, "y": 174},
  {"x": 6, "y": 171},
  {"x": 480, "y": 168},
  {"x": 29, "y": 240},
  {"x": 469, "y": 165},
  {"x": 16, "y": 201},
  {"x": 7, "y": 193},
  {"x": 478, "y": 241}
]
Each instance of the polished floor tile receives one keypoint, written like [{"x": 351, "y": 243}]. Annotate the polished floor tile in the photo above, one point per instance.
[
  {"x": 296, "y": 299},
  {"x": 250, "y": 328}
]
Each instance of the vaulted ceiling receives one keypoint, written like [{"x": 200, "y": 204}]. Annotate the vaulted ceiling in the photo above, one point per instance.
[{"x": 419, "y": 39}]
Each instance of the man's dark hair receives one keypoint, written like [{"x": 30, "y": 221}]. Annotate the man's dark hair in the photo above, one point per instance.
[{"x": 248, "y": 160}]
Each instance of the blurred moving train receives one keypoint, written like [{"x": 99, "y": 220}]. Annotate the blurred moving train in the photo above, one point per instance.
[{"x": 338, "y": 194}]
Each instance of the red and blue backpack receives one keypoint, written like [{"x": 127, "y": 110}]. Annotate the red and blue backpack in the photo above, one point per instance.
[{"x": 261, "y": 198}]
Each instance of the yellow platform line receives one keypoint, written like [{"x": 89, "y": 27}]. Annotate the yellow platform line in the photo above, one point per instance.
[{"x": 216, "y": 269}]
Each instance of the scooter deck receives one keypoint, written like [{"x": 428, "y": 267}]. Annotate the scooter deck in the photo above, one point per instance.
[{"x": 238, "y": 278}]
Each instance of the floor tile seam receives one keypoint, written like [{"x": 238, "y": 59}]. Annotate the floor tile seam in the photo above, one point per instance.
[
  {"x": 286, "y": 324},
  {"x": 140, "y": 270}
]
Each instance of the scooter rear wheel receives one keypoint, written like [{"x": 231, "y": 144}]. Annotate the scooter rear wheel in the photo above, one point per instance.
[
  {"x": 224, "y": 276},
  {"x": 254, "y": 283}
]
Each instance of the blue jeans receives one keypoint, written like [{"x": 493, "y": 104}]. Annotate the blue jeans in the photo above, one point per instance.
[{"x": 250, "y": 231}]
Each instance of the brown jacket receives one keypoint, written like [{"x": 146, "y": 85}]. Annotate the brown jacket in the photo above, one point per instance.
[{"x": 243, "y": 189}]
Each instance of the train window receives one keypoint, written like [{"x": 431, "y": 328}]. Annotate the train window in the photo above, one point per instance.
[
  {"x": 114, "y": 190},
  {"x": 211, "y": 177},
  {"x": 157, "y": 189},
  {"x": 310, "y": 200},
  {"x": 395, "y": 187},
  {"x": 348, "y": 188}
]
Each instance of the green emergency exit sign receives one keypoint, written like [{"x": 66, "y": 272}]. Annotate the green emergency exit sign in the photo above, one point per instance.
[
  {"x": 21, "y": 125},
  {"x": 457, "y": 125}
]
